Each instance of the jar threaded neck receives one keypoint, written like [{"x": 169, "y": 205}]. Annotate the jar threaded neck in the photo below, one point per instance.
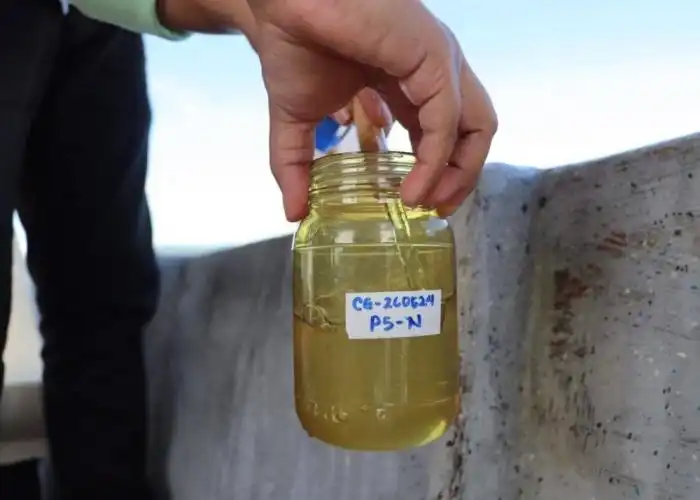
[{"x": 355, "y": 174}]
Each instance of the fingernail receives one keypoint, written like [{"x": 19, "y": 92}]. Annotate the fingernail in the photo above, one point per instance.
[
  {"x": 386, "y": 114},
  {"x": 407, "y": 93},
  {"x": 343, "y": 117},
  {"x": 415, "y": 189},
  {"x": 447, "y": 210},
  {"x": 410, "y": 197}
]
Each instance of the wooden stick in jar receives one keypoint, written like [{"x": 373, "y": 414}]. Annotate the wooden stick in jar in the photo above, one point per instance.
[{"x": 372, "y": 138}]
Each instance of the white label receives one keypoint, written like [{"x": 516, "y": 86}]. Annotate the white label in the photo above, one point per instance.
[{"x": 391, "y": 315}]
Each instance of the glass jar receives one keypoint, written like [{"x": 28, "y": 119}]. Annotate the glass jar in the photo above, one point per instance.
[{"x": 376, "y": 358}]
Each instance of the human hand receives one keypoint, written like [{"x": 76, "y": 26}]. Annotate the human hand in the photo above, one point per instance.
[{"x": 316, "y": 55}]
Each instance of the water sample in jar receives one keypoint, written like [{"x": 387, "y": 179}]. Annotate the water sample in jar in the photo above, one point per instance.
[{"x": 376, "y": 358}]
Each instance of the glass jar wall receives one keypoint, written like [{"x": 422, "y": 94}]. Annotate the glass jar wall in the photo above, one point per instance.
[{"x": 376, "y": 354}]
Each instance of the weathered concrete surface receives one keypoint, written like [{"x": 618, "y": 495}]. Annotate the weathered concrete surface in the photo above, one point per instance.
[
  {"x": 610, "y": 405},
  {"x": 580, "y": 332}
]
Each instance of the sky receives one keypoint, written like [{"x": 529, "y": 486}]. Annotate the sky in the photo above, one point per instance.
[{"x": 571, "y": 81}]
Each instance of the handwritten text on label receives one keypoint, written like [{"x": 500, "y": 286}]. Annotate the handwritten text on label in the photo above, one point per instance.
[
  {"x": 381, "y": 315},
  {"x": 418, "y": 301}
]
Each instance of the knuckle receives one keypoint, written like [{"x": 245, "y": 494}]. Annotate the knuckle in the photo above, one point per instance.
[
  {"x": 290, "y": 13},
  {"x": 491, "y": 117},
  {"x": 492, "y": 124}
]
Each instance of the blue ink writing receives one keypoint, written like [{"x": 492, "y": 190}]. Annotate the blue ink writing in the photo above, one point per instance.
[
  {"x": 386, "y": 323},
  {"x": 362, "y": 304},
  {"x": 417, "y": 301},
  {"x": 416, "y": 322}
]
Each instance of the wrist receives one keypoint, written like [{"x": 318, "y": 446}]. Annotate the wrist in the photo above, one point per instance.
[{"x": 207, "y": 16}]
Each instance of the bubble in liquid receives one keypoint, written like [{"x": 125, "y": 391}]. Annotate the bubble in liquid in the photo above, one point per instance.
[
  {"x": 338, "y": 416},
  {"x": 380, "y": 413},
  {"x": 312, "y": 407}
]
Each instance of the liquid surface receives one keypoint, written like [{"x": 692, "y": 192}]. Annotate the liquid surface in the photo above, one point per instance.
[{"x": 378, "y": 394}]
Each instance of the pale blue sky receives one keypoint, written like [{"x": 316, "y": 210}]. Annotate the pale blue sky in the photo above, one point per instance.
[{"x": 570, "y": 80}]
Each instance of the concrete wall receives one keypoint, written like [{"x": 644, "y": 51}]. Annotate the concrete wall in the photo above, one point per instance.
[{"x": 580, "y": 306}]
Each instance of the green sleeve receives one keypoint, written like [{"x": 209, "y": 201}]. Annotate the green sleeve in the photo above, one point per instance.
[{"x": 134, "y": 15}]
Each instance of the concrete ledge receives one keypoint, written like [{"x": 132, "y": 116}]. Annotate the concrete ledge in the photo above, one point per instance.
[{"x": 579, "y": 333}]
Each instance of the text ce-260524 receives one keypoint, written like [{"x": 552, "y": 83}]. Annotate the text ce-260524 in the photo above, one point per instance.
[{"x": 387, "y": 315}]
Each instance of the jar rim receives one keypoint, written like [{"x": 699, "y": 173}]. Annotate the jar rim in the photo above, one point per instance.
[{"x": 395, "y": 160}]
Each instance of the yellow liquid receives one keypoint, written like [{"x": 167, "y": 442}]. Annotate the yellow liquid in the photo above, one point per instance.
[{"x": 383, "y": 394}]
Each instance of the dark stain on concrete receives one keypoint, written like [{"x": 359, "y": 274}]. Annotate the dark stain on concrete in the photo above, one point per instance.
[
  {"x": 615, "y": 244},
  {"x": 459, "y": 445},
  {"x": 567, "y": 288}
]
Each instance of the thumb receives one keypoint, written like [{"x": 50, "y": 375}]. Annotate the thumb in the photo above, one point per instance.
[{"x": 291, "y": 154}]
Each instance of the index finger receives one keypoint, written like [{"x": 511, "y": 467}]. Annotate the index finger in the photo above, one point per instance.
[
  {"x": 433, "y": 88},
  {"x": 438, "y": 122},
  {"x": 477, "y": 127}
]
